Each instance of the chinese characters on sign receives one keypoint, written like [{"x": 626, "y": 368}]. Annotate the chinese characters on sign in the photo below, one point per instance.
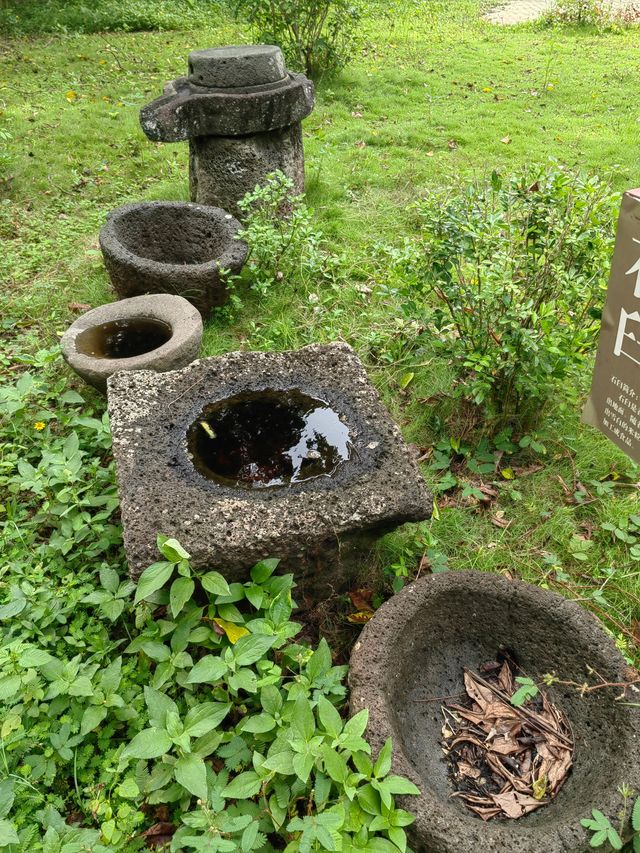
[{"x": 614, "y": 404}]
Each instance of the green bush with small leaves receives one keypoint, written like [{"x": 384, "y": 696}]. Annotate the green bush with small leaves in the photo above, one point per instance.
[
  {"x": 510, "y": 276},
  {"x": 316, "y": 36},
  {"x": 284, "y": 244}
]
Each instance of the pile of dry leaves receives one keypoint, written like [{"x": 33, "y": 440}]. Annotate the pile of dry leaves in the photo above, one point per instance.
[{"x": 504, "y": 760}]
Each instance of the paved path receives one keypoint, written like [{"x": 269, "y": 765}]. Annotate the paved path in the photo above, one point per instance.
[{"x": 521, "y": 11}]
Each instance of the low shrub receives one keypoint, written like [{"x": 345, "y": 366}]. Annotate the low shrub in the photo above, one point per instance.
[
  {"x": 510, "y": 276},
  {"x": 284, "y": 244},
  {"x": 316, "y": 36}
]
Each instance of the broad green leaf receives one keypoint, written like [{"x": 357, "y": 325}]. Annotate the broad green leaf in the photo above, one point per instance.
[
  {"x": 191, "y": 772},
  {"x": 320, "y": 661},
  {"x": 244, "y": 786},
  {"x": 92, "y": 717},
  {"x": 9, "y": 686},
  {"x": 109, "y": 579},
  {"x": 329, "y": 717},
  {"x": 251, "y": 648},
  {"x": 214, "y": 583},
  {"x": 635, "y": 815},
  {"x": 209, "y": 669},
  {"x": 400, "y": 785},
  {"x": 357, "y": 724},
  {"x": 180, "y": 592},
  {"x": 171, "y": 549},
  {"x": 8, "y": 834},
  {"x": 271, "y": 699},
  {"x": 383, "y": 762},
  {"x": 158, "y": 705},
  {"x": 149, "y": 743},
  {"x": 6, "y": 796},
  {"x": 128, "y": 789},
  {"x": 34, "y": 657},
  {"x": 152, "y": 579},
  {"x": 302, "y": 719},
  {"x": 258, "y": 723},
  {"x": 399, "y": 838},
  {"x": 263, "y": 570},
  {"x": 205, "y": 717}
]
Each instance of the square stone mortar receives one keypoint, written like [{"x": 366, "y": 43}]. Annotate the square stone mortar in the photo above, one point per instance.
[{"x": 319, "y": 528}]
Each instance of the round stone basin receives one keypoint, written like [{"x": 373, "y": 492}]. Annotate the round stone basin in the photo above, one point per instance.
[
  {"x": 172, "y": 247},
  {"x": 156, "y": 332},
  {"x": 411, "y": 656},
  {"x": 262, "y": 439}
]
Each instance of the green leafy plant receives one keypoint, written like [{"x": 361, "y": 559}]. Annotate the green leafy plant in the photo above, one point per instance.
[
  {"x": 191, "y": 697},
  {"x": 510, "y": 275},
  {"x": 284, "y": 244},
  {"x": 317, "y": 36},
  {"x": 528, "y": 690},
  {"x": 603, "y": 831}
]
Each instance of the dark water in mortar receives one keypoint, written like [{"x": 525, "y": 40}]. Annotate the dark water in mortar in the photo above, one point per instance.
[
  {"x": 123, "y": 338},
  {"x": 268, "y": 438}
]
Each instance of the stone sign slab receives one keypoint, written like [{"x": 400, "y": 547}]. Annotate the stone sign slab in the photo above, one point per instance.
[{"x": 614, "y": 404}]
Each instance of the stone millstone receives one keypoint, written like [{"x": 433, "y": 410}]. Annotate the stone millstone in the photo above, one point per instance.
[
  {"x": 183, "y": 345},
  {"x": 237, "y": 67},
  {"x": 172, "y": 247},
  {"x": 415, "y": 649},
  {"x": 310, "y": 525},
  {"x": 241, "y": 111}
]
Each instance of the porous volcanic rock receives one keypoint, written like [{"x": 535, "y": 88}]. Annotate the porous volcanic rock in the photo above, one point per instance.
[
  {"x": 183, "y": 329},
  {"x": 315, "y": 525},
  {"x": 415, "y": 649},
  {"x": 241, "y": 111},
  {"x": 172, "y": 247}
]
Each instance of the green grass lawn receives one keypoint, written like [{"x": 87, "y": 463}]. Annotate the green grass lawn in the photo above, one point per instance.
[{"x": 436, "y": 96}]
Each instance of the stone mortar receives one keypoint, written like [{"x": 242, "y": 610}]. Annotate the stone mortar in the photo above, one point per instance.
[
  {"x": 308, "y": 524},
  {"x": 172, "y": 247},
  {"x": 241, "y": 111},
  {"x": 416, "y": 647},
  {"x": 181, "y": 348}
]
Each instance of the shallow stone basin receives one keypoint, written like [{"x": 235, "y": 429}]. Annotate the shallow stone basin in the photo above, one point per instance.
[
  {"x": 157, "y": 332},
  {"x": 172, "y": 247},
  {"x": 416, "y": 647},
  {"x": 253, "y": 455}
]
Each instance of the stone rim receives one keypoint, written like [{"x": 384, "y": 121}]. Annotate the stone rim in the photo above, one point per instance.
[
  {"x": 175, "y": 311},
  {"x": 373, "y": 669},
  {"x": 234, "y": 254}
]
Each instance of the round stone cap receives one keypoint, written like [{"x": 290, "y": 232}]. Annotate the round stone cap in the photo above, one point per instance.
[{"x": 237, "y": 66}]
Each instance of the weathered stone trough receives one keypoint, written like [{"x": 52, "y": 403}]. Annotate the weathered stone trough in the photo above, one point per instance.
[
  {"x": 157, "y": 332},
  {"x": 241, "y": 111},
  {"x": 416, "y": 647},
  {"x": 256, "y": 454},
  {"x": 172, "y": 247}
]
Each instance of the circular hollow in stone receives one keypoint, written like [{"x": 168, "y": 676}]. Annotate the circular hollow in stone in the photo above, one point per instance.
[
  {"x": 237, "y": 66},
  {"x": 157, "y": 332},
  {"x": 415, "y": 649},
  {"x": 172, "y": 247},
  {"x": 127, "y": 338},
  {"x": 268, "y": 438}
]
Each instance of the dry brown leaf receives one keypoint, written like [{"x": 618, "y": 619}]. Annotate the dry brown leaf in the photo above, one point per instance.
[{"x": 515, "y": 805}]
